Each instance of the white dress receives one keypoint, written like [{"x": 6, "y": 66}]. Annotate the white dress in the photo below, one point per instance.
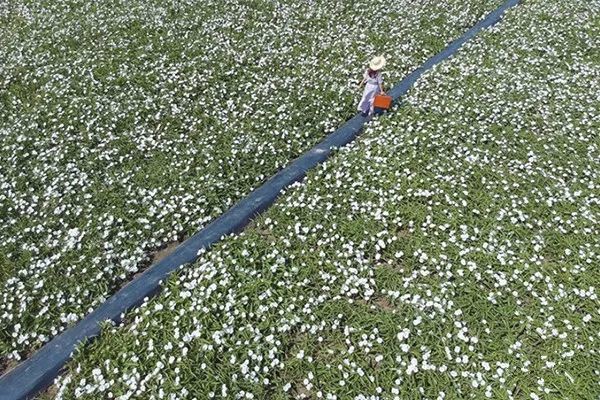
[{"x": 371, "y": 89}]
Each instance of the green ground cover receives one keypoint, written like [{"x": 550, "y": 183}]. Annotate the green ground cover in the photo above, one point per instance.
[
  {"x": 126, "y": 125},
  {"x": 452, "y": 252}
]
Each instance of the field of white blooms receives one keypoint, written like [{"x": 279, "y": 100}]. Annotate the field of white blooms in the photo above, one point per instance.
[
  {"x": 452, "y": 252},
  {"x": 126, "y": 125}
]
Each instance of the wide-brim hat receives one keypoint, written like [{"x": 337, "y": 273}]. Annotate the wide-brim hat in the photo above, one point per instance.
[{"x": 377, "y": 63}]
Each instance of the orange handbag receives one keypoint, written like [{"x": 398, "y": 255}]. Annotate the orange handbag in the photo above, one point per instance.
[{"x": 382, "y": 101}]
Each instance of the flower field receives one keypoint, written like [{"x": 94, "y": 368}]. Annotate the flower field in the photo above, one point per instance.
[
  {"x": 451, "y": 252},
  {"x": 128, "y": 125}
]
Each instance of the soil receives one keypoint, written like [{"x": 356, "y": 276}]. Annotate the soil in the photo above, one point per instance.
[
  {"x": 7, "y": 365},
  {"x": 162, "y": 253}
]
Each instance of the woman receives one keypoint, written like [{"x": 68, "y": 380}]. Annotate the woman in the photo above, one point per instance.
[{"x": 373, "y": 82}]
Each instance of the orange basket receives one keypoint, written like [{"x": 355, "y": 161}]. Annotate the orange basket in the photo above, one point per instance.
[{"x": 382, "y": 101}]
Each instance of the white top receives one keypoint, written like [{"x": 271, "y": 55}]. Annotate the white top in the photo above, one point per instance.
[{"x": 377, "y": 80}]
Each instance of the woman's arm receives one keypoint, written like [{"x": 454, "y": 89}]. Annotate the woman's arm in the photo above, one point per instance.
[{"x": 364, "y": 79}]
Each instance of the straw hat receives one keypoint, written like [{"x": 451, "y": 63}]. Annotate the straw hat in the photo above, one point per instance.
[{"x": 377, "y": 63}]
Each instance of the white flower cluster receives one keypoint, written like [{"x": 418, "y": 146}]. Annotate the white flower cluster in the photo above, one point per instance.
[
  {"x": 452, "y": 252},
  {"x": 126, "y": 125}
]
